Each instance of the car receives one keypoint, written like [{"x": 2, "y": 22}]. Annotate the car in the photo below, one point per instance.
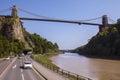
[
  {"x": 19, "y": 57},
  {"x": 7, "y": 58},
  {"x": 27, "y": 64}
]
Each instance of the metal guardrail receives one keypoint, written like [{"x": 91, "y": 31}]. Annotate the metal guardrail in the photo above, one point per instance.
[
  {"x": 41, "y": 76},
  {"x": 77, "y": 77},
  {"x": 70, "y": 75}
]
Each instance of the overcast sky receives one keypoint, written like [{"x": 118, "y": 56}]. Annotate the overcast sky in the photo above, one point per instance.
[{"x": 67, "y": 36}]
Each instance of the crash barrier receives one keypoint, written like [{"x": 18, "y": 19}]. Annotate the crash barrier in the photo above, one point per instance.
[{"x": 70, "y": 75}]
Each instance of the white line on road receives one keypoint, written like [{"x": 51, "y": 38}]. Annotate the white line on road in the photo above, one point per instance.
[
  {"x": 23, "y": 77},
  {"x": 14, "y": 66}
]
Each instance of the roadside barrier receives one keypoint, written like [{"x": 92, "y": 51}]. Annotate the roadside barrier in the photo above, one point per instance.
[
  {"x": 70, "y": 75},
  {"x": 41, "y": 76}
]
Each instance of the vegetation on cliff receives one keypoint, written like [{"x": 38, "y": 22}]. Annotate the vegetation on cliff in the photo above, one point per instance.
[
  {"x": 13, "y": 45},
  {"x": 41, "y": 45},
  {"x": 10, "y": 47},
  {"x": 105, "y": 44}
]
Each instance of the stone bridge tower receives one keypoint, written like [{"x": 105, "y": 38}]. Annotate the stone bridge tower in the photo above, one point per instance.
[
  {"x": 104, "y": 23},
  {"x": 14, "y": 11}
]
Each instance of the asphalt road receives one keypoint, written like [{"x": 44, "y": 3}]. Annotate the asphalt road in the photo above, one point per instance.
[
  {"x": 15, "y": 72},
  {"x": 3, "y": 65}
]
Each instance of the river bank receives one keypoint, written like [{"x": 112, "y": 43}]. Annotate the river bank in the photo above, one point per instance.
[
  {"x": 47, "y": 62},
  {"x": 94, "y": 68},
  {"x": 101, "y": 57}
]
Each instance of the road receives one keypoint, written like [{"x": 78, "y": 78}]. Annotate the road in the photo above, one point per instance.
[
  {"x": 3, "y": 65},
  {"x": 16, "y": 72}
]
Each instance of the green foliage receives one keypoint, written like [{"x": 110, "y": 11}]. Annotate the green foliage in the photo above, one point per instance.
[
  {"x": 104, "y": 32},
  {"x": 105, "y": 44},
  {"x": 7, "y": 47},
  {"x": 42, "y": 58},
  {"x": 41, "y": 45}
]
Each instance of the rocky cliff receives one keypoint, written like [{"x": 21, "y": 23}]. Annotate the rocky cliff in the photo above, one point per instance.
[{"x": 12, "y": 28}]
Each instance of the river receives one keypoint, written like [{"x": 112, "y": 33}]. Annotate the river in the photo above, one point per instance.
[{"x": 96, "y": 69}]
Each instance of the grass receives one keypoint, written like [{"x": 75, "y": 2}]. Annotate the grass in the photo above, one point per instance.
[{"x": 44, "y": 60}]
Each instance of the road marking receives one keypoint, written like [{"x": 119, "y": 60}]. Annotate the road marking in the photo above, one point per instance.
[
  {"x": 14, "y": 66},
  {"x": 23, "y": 77}
]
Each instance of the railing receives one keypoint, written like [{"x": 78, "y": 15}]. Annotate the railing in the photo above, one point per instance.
[{"x": 70, "y": 75}]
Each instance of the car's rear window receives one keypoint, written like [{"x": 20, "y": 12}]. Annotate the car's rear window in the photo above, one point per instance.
[{"x": 27, "y": 62}]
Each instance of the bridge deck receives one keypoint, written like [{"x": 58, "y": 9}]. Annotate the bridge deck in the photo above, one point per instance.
[{"x": 55, "y": 20}]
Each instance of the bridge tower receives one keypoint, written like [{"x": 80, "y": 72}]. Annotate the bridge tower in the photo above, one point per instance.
[
  {"x": 14, "y": 11},
  {"x": 104, "y": 23}
]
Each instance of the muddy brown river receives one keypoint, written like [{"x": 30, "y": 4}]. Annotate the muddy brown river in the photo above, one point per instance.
[{"x": 96, "y": 69}]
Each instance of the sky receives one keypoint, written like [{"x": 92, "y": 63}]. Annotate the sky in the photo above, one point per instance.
[{"x": 67, "y": 36}]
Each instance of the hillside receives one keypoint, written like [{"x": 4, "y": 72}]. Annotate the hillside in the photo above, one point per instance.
[
  {"x": 14, "y": 39},
  {"x": 106, "y": 44}
]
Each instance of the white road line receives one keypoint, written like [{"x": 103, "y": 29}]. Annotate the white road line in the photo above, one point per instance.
[
  {"x": 14, "y": 66},
  {"x": 23, "y": 77}
]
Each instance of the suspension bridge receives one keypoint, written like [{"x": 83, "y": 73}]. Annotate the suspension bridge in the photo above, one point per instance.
[{"x": 44, "y": 18}]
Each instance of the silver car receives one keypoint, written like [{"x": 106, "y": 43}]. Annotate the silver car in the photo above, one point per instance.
[{"x": 27, "y": 64}]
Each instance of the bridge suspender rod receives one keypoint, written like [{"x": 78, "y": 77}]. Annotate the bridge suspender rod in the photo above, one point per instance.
[{"x": 63, "y": 21}]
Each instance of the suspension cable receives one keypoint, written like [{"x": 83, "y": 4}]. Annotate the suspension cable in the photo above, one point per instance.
[
  {"x": 5, "y": 10},
  {"x": 34, "y": 14},
  {"x": 55, "y": 18},
  {"x": 113, "y": 21},
  {"x": 92, "y": 19}
]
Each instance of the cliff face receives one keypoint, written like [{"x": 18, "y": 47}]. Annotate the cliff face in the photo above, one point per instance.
[
  {"x": 12, "y": 28},
  {"x": 17, "y": 30}
]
